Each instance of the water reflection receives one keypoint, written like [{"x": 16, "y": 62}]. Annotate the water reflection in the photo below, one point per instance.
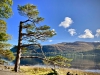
[{"x": 85, "y": 62}]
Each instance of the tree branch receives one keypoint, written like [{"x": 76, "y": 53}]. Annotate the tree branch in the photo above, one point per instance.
[
  {"x": 25, "y": 21},
  {"x": 29, "y": 34}
]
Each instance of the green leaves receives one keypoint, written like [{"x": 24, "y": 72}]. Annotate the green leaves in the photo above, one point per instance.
[
  {"x": 9, "y": 2},
  {"x": 38, "y": 19},
  {"x": 2, "y": 26},
  {"x": 5, "y": 8},
  {"x": 5, "y": 12},
  {"x": 7, "y": 54},
  {"x": 39, "y": 33},
  {"x": 45, "y": 27},
  {"x": 28, "y": 10},
  {"x": 4, "y": 46},
  {"x": 5, "y": 51},
  {"x": 4, "y": 37}
]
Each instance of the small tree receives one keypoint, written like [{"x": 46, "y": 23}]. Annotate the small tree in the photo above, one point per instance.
[
  {"x": 59, "y": 61},
  {"x": 30, "y": 32}
]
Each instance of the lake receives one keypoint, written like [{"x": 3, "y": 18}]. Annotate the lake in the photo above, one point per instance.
[{"x": 86, "y": 63}]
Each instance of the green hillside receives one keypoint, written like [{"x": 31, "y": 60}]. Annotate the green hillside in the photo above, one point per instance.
[{"x": 66, "y": 48}]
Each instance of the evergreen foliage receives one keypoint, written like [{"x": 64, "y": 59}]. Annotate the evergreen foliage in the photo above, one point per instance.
[
  {"x": 58, "y": 60},
  {"x": 5, "y": 8},
  {"x": 5, "y": 12}
]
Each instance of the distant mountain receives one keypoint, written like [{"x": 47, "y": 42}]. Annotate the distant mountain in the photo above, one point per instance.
[{"x": 78, "y": 46}]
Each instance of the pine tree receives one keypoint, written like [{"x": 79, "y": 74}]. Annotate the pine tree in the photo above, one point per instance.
[
  {"x": 5, "y": 13},
  {"x": 31, "y": 32}
]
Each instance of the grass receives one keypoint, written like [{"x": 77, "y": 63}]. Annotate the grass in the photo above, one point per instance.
[
  {"x": 34, "y": 70},
  {"x": 29, "y": 70}
]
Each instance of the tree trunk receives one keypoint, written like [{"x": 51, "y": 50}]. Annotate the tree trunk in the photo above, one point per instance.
[{"x": 18, "y": 56}]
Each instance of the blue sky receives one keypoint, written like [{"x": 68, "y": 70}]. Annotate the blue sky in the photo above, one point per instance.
[{"x": 73, "y": 20}]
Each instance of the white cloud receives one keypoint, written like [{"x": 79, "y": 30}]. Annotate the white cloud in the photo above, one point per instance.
[
  {"x": 66, "y": 23},
  {"x": 88, "y": 34},
  {"x": 50, "y": 40},
  {"x": 97, "y": 33},
  {"x": 72, "y": 31}
]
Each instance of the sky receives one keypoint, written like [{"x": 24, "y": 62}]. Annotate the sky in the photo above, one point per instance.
[{"x": 73, "y": 20}]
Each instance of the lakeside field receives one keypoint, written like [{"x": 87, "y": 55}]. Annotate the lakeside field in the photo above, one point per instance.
[{"x": 31, "y": 70}]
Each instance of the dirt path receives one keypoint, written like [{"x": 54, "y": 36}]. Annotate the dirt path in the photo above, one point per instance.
[
  {"x": 3, "y": 72},
  {"x": 6, "y": 70}
]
